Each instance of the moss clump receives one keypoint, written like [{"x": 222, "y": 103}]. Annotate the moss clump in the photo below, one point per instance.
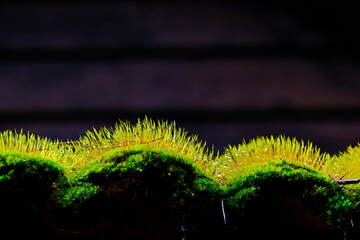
[
  {"x": 145, "y": 132},
  {"x": 316, "y": 191},
  {"x": 263, "y": 149},
  {"x": 264, "y": 176},
  {"x": 133, "y": 181},
  {"x": 28, "y": 184},
  {"x": 32, "y": 176},
  {"x": 152, "y": 185},
  {"x": 151, "y": 180},
  {"x": 142, "y": 161}
]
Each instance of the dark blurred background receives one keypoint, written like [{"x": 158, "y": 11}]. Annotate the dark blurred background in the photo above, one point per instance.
[{"x": 225, "y": 70}]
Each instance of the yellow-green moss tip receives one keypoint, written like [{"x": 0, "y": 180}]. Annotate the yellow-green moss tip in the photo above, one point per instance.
[
  {"x": 96, "y": 143},
  {"x": 13, "y": 142},
  {"x": 345, "y": 165},
  {"x": 74, "y": 155},
  {"x": 263, "y": 149}
]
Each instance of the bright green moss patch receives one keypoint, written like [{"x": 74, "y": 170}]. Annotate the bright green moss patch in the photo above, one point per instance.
[
  {"x": 147, "y": 132},
  {"x": 281, "y": 181},
  {"x": 264, "y": 149},
  {"x": 153, "y": 177},
  {"x": 259, "y": 184},
  {"x": 276, "y": 175},
  {"x": 13, "y": 142},
  {"x": 346, "y": 165},
  {"x": 142, "y": 183},
  {"x": 28, "y": 186},
  {"x": 31, "y": 174},
  {"x": 112, "y": 154},
  {"x": 152, "y": 169}
]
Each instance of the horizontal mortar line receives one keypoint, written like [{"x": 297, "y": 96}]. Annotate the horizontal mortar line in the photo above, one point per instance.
[
  {"x": 205, "y": 116},
  {"x": 217, "y": 52}
]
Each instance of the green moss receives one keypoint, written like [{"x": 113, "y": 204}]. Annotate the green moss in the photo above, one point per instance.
[
  {"x": 334, "y": 204},
  {"x": 28, "y": 173},
  {"x": 27, "y": 184},
  {"x": 139, "y": 173},
  {"x": 123, "y": 173},
  {"x": 93, "y": 145}
]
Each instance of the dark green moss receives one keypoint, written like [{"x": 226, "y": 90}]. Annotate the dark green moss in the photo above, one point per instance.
[
  {"x": 142, "y": 184},
  {"x": 157, "y": 190},
  {"x": 250, "y": 192},
  {"x": 28, "y": 187},
  {"x": 30, "y": 176},
  {"x": 153, "y": 167}
]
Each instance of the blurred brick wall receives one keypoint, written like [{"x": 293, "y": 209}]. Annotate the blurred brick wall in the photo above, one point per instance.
[{"x": 226, "y": 71}]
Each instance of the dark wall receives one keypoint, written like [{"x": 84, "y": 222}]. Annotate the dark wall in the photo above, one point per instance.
[{"x": 224, "y": 70}]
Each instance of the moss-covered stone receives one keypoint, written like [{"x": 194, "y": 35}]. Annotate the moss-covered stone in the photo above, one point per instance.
[
  {"x": 284, "y": 196},
  {"x": 28, "y": 186},
  {"x": 146, "y": 185},
  {"x": 152, "y": 181}
]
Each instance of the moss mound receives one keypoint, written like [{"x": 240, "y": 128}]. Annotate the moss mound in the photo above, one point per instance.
[
  {"x": 281, "y": 199},
  {"x": 281, "y": 187},
  {"x": 28, "y": 185},
  {"x": 143, "y": 181},
  {"x": 148, "y": 188},
  {"x": 153, "y": 181}
]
